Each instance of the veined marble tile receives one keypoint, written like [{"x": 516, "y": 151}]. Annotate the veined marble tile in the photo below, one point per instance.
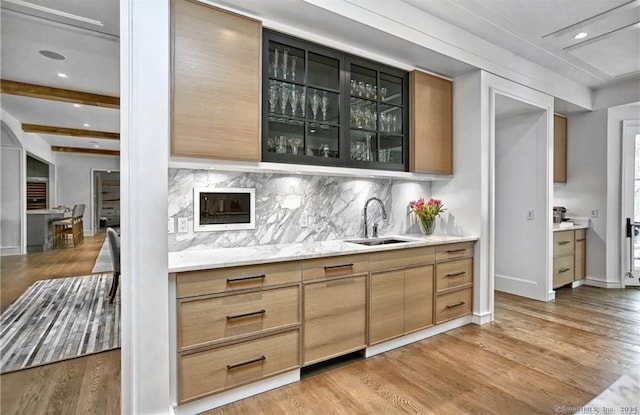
[{"x": 332, "y": 207}]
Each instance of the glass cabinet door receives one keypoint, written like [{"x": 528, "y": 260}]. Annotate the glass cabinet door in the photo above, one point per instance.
[
  {"x": 301, "y": 102},
  {"x": 377, "y": 116}
]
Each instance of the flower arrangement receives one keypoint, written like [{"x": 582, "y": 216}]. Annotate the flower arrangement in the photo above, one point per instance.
[{"x": 426, "y": 213}]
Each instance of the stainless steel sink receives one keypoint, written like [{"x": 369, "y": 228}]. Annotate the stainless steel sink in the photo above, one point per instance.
[{"x": 378, "y": 241}]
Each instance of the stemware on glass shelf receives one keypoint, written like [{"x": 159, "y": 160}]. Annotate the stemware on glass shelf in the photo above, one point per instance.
[
  {"x": 295, "y": 95},
  {"x": 303, "y": 101},
  {"x": 315, "y": 102},
  {"x": 281, "y": 144},
  {"x": 324, "y": 104},
  {"x": 295, "y": 142},
  {"x": 275, "y": 62},
  {"x": 285, "y": 63},
  {"x": 273, "y": 96},
  {"x": 383, "y": 93},
  {"x": 368, "y": 153},
  {"x": 294, "y": 59},
  {"x": 284, "y": 97}
]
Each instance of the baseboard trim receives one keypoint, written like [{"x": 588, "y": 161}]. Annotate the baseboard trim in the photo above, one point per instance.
[
  {"x": 224, "y": 398},
  {"x": 481, "y": 319},
  {"x": 520, "y": 287},
  {"x": 10, "y": 250},
  {"x": 596, "y": 282},
  {"x": 417, "y": 336},
  {"x": 578, "y": 283}
]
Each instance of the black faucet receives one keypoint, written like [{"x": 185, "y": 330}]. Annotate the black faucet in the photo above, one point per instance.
[{"x": 375, "y": 226}]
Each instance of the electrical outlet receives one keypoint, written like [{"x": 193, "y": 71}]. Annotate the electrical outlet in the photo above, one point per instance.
[
  {"x": 530, "y": 214},
  {"x": 183, "y": 225},
  {"x": 594, "y": 213},
  {"x": 304, "y": 220},
  {"x": 172, "y": 225}
]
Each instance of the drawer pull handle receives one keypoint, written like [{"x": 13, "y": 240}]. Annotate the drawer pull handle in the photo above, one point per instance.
[
  {"x": 254, "y": 313},
  {"x": 255, "y": 277},
  {"x": 328, "y": 267},
  {"x": 565, "y": 269},
  {"x": 456, "y": 304},
  {"x": 455, "y": 274},
  {"x": 581, "y": 240},
  {"x": 451, "y": 251},
  {"x": 248, "y": 362},
  {"x": 563, "y": 242}
]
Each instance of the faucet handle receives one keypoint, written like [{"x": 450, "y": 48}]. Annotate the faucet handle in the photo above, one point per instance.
[{"x": 374, "y": 232}]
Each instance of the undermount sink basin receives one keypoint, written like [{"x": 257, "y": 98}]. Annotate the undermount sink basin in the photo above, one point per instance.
[{"x": 378, "y": 241}]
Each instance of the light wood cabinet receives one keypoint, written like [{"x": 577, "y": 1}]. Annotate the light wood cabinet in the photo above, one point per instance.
[
  {"x": 334, "y": 318},
  {"x": 216, "y": 78},
  {"x": 431, "y": 124},
  {"x": 453, "y": 281},
  {"x": 559, "y": 149},
  {"x": 580, "y": 268},
  {"x": 206, "y": 372},
  {"x": 453, "y": 304},
  {"x": 569, "y": 256}
]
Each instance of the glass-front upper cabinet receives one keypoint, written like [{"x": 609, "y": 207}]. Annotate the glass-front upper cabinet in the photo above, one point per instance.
[
  {"x": 301, "y": 102},
  {"x": 322, "y": 106},
  {"x": 378, "y": 116}
]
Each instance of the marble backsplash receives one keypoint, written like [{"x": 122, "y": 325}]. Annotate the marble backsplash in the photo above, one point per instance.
[{"x": 330, "y": 207}]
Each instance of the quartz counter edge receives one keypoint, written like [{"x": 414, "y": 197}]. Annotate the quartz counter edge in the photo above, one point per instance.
[
  {"x": 208, "y": 258},
  {"x": 570, "y": 228}
]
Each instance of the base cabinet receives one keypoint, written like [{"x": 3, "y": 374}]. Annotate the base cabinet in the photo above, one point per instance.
[
  {"x": 569, "y": 256},
  {"x": 334, "y": 318},
  {"x": 401, "y": 301}
]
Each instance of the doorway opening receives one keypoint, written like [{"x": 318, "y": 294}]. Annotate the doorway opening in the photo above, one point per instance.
[
  {"x": 106, "y": 199},
  {"x": 631, "y": 203}
]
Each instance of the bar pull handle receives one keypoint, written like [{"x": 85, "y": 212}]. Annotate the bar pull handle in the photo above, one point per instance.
[
  {"x": 455, "y": 274},
  {"x": 564, "y": 269},
  {"x": 254, "y": 313},
  {"x": 255, "y": 277},
  {"x": 248, "y": 362},
  {"x": 328, "y": 267},
  {"x": 456, "y": 304},
  {"x": 563, "y": 242},
  {"x": 451, "y": 251}
]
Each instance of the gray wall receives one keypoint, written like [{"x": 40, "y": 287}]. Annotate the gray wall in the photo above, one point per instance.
[
  {"x": 11, "y": 159},
  {"x": 332, "y": 207}
]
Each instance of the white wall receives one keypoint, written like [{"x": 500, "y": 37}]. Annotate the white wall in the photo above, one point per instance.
[
  {"x": 11, "y": 196},
  {"x": 520, "y": 165},
  {"x": 586, "y": 186},
  {"x": 74, "y": 177}
]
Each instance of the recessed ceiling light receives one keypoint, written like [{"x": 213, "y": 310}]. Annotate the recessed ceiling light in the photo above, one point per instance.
[
  {"x": 52, "y": 55},
  {"x": 77, "y": 105},
  {"x": 86, "y": 125},
  {"x": 581, "y": 35},
  {"x": 62, "y": 75}
]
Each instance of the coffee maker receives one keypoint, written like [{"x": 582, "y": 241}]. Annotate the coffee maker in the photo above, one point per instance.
[{"x": 559, "y": 213}]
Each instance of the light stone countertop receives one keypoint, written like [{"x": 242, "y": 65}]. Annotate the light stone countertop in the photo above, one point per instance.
[
  {"x": 193, "y": 260},
  {"x": 573, "y": 227}
]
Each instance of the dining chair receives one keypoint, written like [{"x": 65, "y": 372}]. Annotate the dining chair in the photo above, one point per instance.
[
  {"x": 69, "y": 227},
  {"x": 114, "y": 248}
]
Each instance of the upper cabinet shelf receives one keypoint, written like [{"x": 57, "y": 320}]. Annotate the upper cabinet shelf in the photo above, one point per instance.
[{"x": 322, "y": 106}]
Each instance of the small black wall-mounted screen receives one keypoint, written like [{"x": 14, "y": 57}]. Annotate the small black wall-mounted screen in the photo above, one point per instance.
[{"x": 224, "y": 208}]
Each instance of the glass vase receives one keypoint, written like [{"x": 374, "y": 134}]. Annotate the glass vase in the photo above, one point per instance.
[{"x": 427, "y": 225}]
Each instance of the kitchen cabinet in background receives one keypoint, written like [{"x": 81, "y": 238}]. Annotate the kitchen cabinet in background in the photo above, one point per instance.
[
  {"x": 431, "y": 124},
  {"x": 559, "y": 149},
  {"x": 569, "y": 256},
  {"x": 215, "y": 83}
]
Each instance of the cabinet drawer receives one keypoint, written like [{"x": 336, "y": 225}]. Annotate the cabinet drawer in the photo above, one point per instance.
[
  {"x": 453, "y": 304},
  {"x": 211, "y": 281},
  {"x": 452, "y": 251},
  {"x": 580, "y": 234},
  {"x": 201, "y": 321},
  {"x": 563, "y": 270},
  {"x": 454, "y": 273},
  {"x": 209, "y": 371},
  {"x": 401, "y": 258},
  {"x": 334, "y": 318},
  {"x": 563, "y": 243},
  {"x": 335, "y": 266}
]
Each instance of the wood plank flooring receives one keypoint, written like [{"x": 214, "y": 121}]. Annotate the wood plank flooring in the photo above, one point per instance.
[{"x": 533, "y": 357}]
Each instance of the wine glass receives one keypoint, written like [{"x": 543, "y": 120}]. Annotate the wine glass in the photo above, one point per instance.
[
  {"x": 315, "y": 102},
  {"x": 273, "y": 96},
  {"x": 275, "y": 62},
  {"x": 294, "y": 59},
  {"x": 324, "y": 104},
  {"x": 285, "y": 62},
  {"x": 284, "y": 98},
  {"x": 294, "y": 142},
  {"x": 303, "y": 101},
  {"x": 294, "y": 100}
]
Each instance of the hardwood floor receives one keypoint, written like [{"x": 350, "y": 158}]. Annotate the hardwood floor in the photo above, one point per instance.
[
  {"x": 18, "y": 272},
  {"x": 533, "y": 357},
  {"x": 86, "y": 385}
]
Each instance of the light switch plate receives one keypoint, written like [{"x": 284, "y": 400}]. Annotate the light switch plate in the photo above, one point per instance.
[
  {"x": 530, "y": 214},
  {"x": 172, "y": 225},
  {"x": 594, "y": 213},
  {"x": 183, "y": 225}
]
